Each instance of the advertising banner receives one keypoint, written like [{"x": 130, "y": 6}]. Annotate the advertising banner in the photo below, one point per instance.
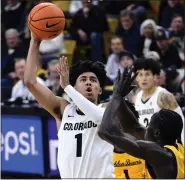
[
  {"x": 53, "y": 146},
  {"x": 22, "y": 144}
]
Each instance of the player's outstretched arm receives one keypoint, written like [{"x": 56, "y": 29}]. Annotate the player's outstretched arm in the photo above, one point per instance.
[
  {"x": 151, "y": 152},
  {"x": 128, "y": 120},
  {"x": 88, "y": 108},
  {"x": 54, "y": 105}
]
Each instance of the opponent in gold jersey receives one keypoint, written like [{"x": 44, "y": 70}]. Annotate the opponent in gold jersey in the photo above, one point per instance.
[
  {"x": 154, "y": 143},
  {"x": 178, "y": 153},
  {"x": 127, "y": 166}
]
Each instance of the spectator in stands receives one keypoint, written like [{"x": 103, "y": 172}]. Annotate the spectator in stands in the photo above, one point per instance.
[
  {"x": 19, "y": 89},
  {"x": 138, "y": 8},
  {"x": 173, "y": 7},
  {"x": 147, "y": 41},
  {"x": 52, "y": 81},
  {"x": 176, "y": 34},
  {"x": 51, "y": 48},
  {"x": 23, "y": 28},
  {"x": 87, "y": 27},
  {"x": 126, "y": 59},
  {"x": 12, "y": 13},
  {"x": 128, "y": 30},
  {"x": 15, "y": 49},
  {"x": 173, "y": 80},
  {"x": 168, "y": 53},
  {"x": 161, "y": 79},
  {"x": 77, "y": 5},
  {"x": 113, "y": 64}
]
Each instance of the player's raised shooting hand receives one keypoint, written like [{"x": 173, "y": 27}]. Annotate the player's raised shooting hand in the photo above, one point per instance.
[
  {"x": 63, "y": 71},
  {"x": 123, "y": 84}
]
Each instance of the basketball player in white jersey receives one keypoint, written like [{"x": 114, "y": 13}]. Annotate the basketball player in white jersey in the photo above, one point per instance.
[
  {"x": 81, "y": 152},
  {"x": 152, "y": 98}
]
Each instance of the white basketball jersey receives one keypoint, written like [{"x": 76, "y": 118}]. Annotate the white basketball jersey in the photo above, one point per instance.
[
  {"x": 81, "y": 152},
  {"x": 149, "y": 107}
]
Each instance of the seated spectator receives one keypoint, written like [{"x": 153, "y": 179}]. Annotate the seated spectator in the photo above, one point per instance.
[
  {"x": 128, "y": 30},
  {"x": 19, "y": 89},
  {"x": 51, "y": 48},
  {"x": 138, "y": 8},
  {"x": 173, "y": 7},
  {"x": 168, "y": 53},
  {"x": 87, "y": 27},
  {"x": 161, "y": 79},
  {"x": 126, "y": 59},
  {"x": 77, "y": 5},
  {"x": 176, "y": 34},
  {"x": 23, "y": 28},
  {"x": 147, "y": 41},
  {"x": 173, "y": 80},
  {"x": 15, "y": 49},
  {"x": 53, "y": 79},
  {"x": 113, "y": 64},
  {"x": 12, "y": 13}
]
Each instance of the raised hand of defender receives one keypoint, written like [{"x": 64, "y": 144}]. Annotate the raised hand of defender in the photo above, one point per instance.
[
  {"x": 123, "y": 84},
  {"x": 63, "y": 71}
]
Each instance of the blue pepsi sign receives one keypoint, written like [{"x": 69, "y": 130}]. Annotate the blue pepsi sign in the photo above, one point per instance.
[
  {"x": 53, "y": 146},
  {"x": 22, "y": 144}
]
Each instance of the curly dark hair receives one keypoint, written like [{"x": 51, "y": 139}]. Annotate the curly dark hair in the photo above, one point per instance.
[
  {"x": 170, "y": 125},
  {"x": 147, "y": 64},
  {"x": 81, "y": 67}
]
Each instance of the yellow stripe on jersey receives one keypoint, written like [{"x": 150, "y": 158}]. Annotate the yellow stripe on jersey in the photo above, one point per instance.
[{"x": 127, "y": 166}]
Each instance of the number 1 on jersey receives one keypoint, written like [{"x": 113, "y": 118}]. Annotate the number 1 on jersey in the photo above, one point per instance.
[{"x": 78, "y": 138}]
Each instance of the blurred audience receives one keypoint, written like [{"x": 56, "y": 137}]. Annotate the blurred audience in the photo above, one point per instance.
[
  {"x": 19, "y": 89},
  {"x": 128, "y": 30},
  {"x": 168, "y": 53},
  {"x": 113, "y": 64},
  {"x": 51, "y": 48},
  {"x": 12, "y": 14},
  {"x": 176, "y": 34},
  {"x": 173, "y": 7},
  {"x": 77, "y": 5},
  {"x": 15, "y": 49},
  {"x": 147, "y": 41},
  {"x": 126, "y": 59},
  {"x": 53, "y": 78},
  {"x": 87, "y": 27}
]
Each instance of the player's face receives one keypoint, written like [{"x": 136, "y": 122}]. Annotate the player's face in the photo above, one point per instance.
[
  {"x": 146, "y": 79},
  {"x": 20, "y": 68},
  {"x": 152, "y": 131},
  {"x": 88, "y": 85}
]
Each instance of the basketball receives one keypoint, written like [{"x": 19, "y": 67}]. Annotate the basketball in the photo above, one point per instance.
[{"x": 46, "y": 21}]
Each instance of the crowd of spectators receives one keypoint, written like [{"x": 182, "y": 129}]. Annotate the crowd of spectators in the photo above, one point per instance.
[{"x": 160, "y": 37}]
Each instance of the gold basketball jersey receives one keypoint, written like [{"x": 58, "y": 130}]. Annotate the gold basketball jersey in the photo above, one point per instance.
[
  {"x": 127, "y": 166},
  {"x": 179, "y": 155}
]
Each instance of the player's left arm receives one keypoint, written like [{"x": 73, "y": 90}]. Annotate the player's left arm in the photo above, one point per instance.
[{"x": 88, "y": 108}]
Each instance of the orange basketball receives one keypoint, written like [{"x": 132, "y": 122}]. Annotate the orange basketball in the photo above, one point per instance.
[{"x": 46, "y": 21}]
